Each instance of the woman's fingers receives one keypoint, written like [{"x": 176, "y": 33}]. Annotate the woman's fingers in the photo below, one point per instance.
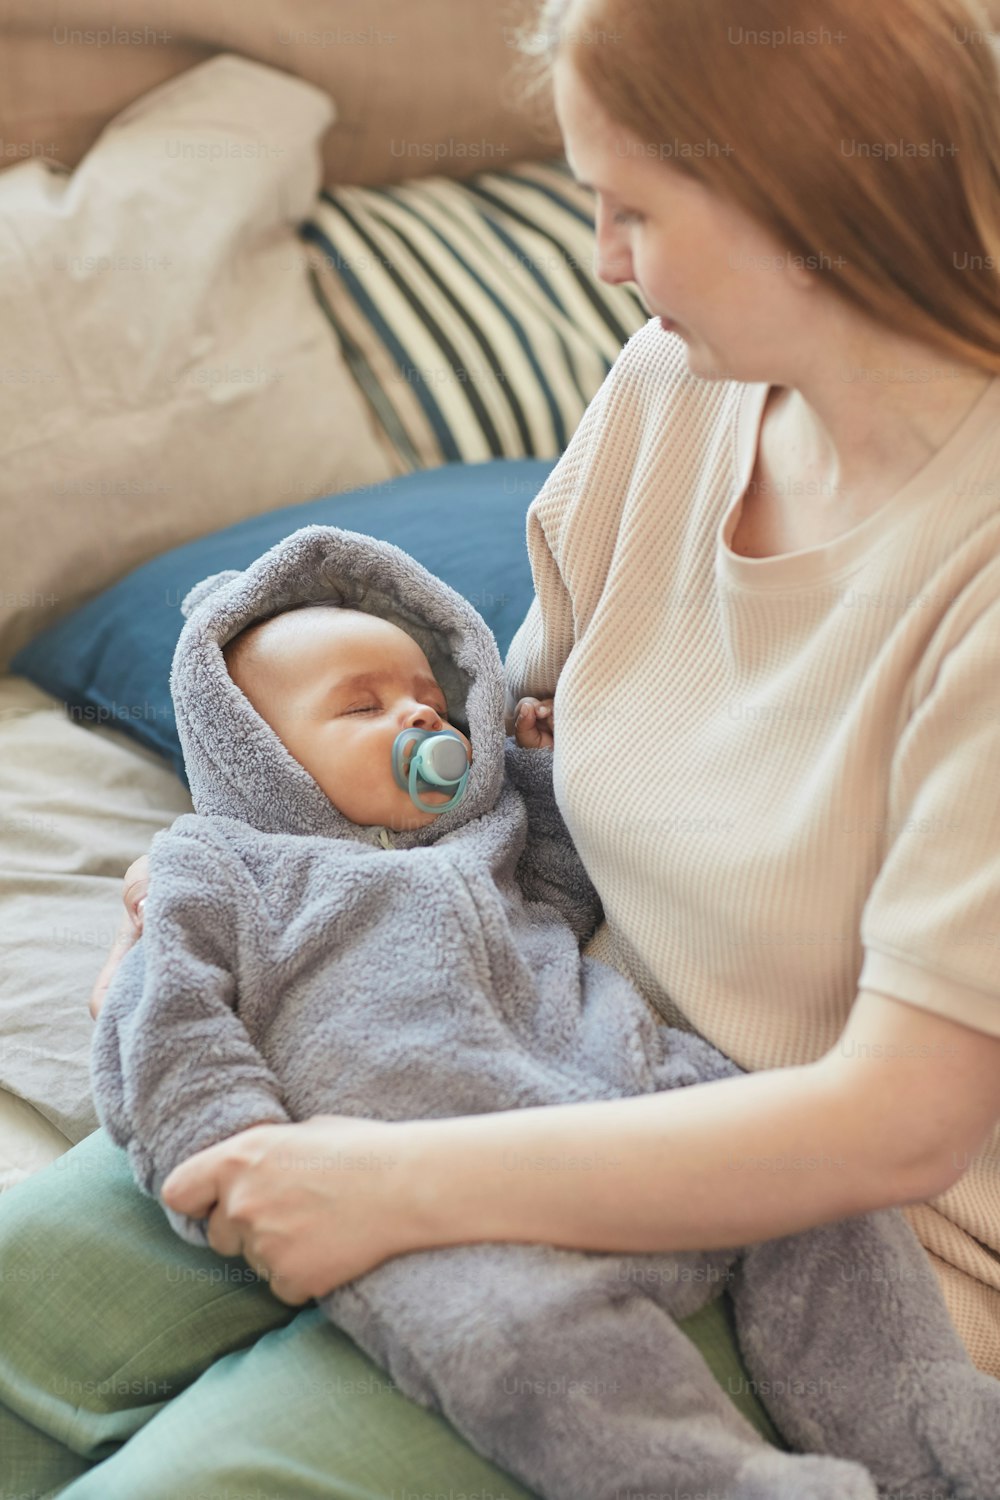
[
  {"x": 213, "y": 1185},
  {"x": 309, "y": 1205},
  {"x": 124, "y": 938},
  {"x": 135, "y": 889},
  {"x": 196, "y": 1184}
]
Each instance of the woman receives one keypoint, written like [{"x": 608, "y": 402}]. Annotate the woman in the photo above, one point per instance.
[{"x": 768, "y": 605}]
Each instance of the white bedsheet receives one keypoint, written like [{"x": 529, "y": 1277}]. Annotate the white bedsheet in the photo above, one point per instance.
[
  {"x": 28, "y": 1141},
  {"x": 77, "y": 805}
]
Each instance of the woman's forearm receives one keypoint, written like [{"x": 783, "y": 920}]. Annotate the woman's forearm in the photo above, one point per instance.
[{"x": 708, "y": 1166}]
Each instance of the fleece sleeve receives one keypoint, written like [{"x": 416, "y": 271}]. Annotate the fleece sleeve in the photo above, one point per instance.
[
  {"x": 931, "y": 924},
  {"x": 549, "y": 868},
  {"x": 172, "y": 1067}
]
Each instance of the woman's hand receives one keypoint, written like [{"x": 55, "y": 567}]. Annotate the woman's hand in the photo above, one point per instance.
[
  {"x": 534, "y": 725},
  {"x": 309, "y": 1205},
  {"x": 134, "y": 889}
]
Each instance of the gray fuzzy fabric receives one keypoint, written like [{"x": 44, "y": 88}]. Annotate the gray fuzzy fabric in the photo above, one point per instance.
[{"x": 294, "y": 963}]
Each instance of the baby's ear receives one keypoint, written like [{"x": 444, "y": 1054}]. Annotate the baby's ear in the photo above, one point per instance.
[{"x": 207, "y": 586}]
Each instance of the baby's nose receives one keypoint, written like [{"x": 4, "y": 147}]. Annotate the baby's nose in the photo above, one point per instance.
[{"x": 424, "y": 716}]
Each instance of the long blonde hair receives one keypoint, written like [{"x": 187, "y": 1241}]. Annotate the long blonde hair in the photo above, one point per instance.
[{"x": 863, "y": 134}]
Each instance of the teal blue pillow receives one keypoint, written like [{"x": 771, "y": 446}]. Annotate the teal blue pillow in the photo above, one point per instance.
[{"x": 110, "y": 660}]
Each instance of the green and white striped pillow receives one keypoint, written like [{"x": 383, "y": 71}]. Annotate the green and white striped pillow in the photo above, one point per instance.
[{"x": 469, "y": 312}]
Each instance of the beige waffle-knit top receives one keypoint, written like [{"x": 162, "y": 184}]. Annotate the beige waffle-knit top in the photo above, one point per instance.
[{"x": 782, "y": 773}]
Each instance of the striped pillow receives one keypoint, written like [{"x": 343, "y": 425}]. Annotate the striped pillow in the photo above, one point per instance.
[{"x": 468, "y": 311}]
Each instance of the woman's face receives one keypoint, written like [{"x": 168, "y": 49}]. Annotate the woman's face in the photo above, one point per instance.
[{"x": 735, "y": 296}]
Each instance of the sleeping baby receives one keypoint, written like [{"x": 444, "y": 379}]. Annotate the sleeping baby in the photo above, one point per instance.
[{"x": 377, "y": 910}]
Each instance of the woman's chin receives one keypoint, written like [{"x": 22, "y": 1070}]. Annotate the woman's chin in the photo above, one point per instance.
[{"x": 703, "y": 363}]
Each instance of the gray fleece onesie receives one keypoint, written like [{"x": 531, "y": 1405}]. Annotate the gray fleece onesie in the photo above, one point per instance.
[{"x": 294, "y": 963}]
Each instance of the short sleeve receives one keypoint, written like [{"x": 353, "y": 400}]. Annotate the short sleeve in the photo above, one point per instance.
[
  {"x": 560, "y": 519},
  {"x": 931, "y": 925}
]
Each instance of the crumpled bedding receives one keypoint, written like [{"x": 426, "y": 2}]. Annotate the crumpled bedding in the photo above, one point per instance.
[{"x": 78, "y": 803}]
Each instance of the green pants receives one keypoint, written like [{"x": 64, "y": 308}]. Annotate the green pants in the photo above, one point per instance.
[{"x": 134, "y": 1366}]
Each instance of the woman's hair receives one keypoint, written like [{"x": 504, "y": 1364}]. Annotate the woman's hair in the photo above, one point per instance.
[{"x": 863, "y": 134}]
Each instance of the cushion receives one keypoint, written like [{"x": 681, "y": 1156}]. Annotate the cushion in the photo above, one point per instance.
[
  {"x": 110, "y": 660},
  {"x": 434, "y": 73},
  {"x": 469, "y": 312},
  {"x": 166, "y": 369}
]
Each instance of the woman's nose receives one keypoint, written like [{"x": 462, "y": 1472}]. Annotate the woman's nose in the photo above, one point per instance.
[
  {"x": 613, "y": 268},
  {"x": 612, "y": 254}
]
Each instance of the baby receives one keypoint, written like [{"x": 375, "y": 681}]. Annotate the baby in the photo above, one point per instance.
[
  {"x": 330, "y": 932},
  {"x": 337, "y": 686}
]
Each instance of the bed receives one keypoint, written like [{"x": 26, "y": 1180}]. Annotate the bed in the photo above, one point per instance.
[{"x": 246, "y": 275}]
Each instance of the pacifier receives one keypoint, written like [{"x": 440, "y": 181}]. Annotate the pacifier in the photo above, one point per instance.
[{"x": 439, "y": 761}]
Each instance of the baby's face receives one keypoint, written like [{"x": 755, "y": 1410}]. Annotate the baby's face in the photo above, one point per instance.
[{"x": 337, "y": 686}]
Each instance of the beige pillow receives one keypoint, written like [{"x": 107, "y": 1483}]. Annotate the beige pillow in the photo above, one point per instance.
[
  {"x": 421, "y": 85},
  {"x": 166, "y": 369}
]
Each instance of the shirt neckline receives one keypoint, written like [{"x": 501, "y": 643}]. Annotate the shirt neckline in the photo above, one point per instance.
[{"x": 809, "y": 564}]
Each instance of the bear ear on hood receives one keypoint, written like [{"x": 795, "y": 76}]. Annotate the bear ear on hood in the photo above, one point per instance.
[{"x": 207, "y": 586}]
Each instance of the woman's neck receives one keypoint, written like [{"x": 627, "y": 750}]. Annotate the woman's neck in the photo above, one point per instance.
[{"x": 872, "y": 417}]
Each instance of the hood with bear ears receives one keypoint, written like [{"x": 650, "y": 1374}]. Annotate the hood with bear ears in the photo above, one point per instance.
[{"x": 236, "y": 765}]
